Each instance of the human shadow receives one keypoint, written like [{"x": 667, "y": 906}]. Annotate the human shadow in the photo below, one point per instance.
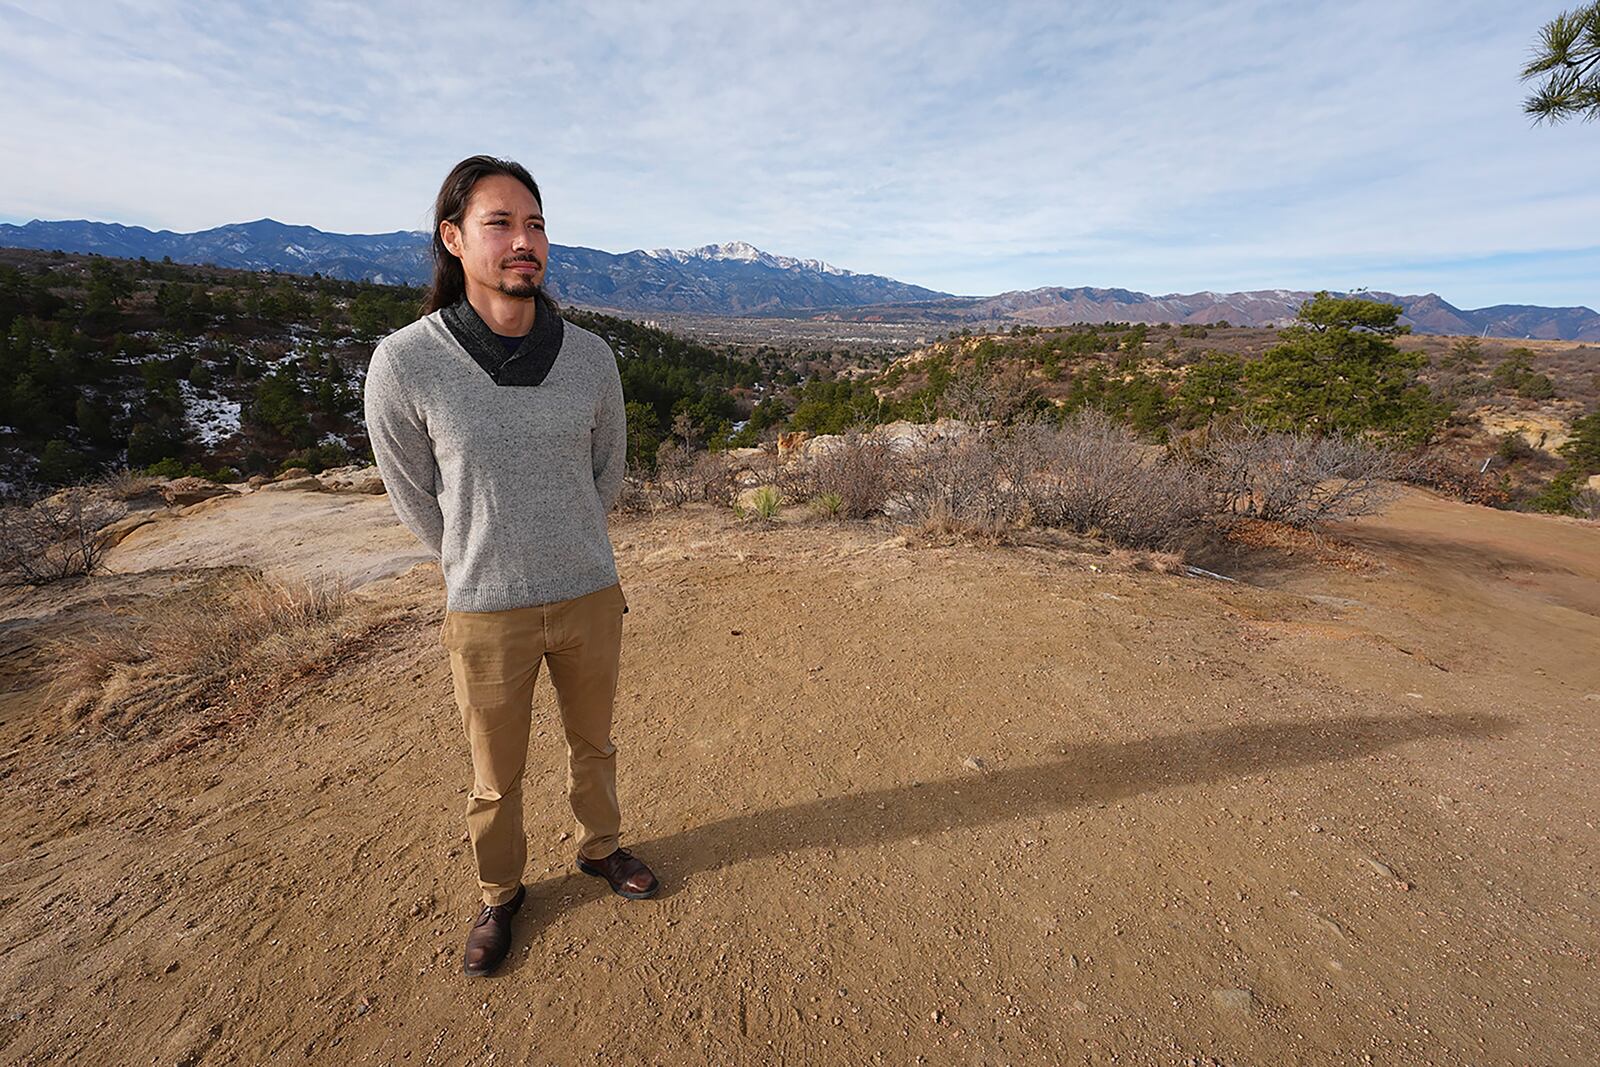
[{"x": 1082, "y": 774}]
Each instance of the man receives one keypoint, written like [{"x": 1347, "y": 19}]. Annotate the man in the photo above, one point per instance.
[{"x": 499, "y": 431}]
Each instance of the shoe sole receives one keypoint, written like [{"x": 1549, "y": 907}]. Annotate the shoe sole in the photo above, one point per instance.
[{"x": 598, "y": 873}]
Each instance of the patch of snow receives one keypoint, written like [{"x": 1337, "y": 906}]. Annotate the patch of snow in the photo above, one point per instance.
[
  {"x": 215, "y": 419},
  {"x": 743, "y": 252}
]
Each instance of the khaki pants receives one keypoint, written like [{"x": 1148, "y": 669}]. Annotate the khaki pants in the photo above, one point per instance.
[{"x": 494, "y": 660}]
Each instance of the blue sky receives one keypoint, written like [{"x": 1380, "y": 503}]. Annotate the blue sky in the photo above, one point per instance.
[{"x": 1160, "y": 147}]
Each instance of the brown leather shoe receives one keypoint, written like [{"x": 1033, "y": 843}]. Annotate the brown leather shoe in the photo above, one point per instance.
[
  {"x": 626, "y": 872},
  {"x": 490, "y": 937}
]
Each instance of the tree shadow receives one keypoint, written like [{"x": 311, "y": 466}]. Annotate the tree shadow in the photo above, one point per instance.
[{"x": 1083, "y": 774}]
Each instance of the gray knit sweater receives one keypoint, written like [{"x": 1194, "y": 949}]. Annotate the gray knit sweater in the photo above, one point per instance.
[{"x": 509, "y": 485}]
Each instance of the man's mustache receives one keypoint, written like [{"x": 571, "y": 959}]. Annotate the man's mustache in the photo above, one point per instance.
[{"x": 523, "y": 259}]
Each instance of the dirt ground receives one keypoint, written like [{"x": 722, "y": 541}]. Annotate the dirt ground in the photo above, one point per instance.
[{"x": 910, "y": 804}]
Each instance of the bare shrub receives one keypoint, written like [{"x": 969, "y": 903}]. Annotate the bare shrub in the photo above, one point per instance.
[
  {"x": 635, "y": 496},
  {"x": 1299, "y": 479},
  {"x": 861, "y": 469},
  {"x": 214, "y": 656},
  {"x": 55, "y": 537},
  {"x": 955, "y": 485},
  {"x": 1094, "y": 476},
  {"x": 685, "y": 477},
  {"x": 795, "y": 478},
  {"x": 1458, "y": 477},
  {"x": 998, "y": 398}
]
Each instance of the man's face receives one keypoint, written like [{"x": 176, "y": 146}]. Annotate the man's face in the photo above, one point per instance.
[{"x": 501, "y": 240}]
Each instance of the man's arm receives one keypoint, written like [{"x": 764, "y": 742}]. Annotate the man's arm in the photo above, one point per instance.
[
  {"x": 608, "y": 445},
  {"x": 404, "y": 451}
]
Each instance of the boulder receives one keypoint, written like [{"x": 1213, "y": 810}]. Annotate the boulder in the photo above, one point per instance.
[
  {"x": 291, "y": 474},
  {"x": 354, "y": 479},
  {"x": 181, "y": 492},
  {"x": 306, "y": 484},
  {"x": 820, "y": 445},
  {"x": 789, "y": 444},
  {"x": 908, "y": 436}
]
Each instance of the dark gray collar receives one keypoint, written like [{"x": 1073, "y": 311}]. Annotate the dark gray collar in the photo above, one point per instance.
[{"x": 532, "y": 360}]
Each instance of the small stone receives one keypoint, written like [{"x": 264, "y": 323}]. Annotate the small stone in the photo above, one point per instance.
[
  {"x": 173, "y": 966},
  {"x": 1382, "y": 868},
  {"x": 975, "y": 763},
  {"x": 1235, "y": 1001}
]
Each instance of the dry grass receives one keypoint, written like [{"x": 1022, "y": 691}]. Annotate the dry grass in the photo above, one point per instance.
[
  {"x": 1142, "y": 560},
  {"x": 182, "y": 668},
  {"x": 126, "y": 484}
]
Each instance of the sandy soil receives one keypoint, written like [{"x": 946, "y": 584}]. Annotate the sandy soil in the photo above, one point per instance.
[{"x": 910, "y": 805}]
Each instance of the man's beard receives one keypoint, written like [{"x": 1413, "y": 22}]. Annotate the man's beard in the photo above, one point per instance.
[{"x": 525, "y": 288}]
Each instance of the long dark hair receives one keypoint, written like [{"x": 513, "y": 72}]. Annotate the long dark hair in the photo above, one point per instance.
[{"x": 449, "y": 281}]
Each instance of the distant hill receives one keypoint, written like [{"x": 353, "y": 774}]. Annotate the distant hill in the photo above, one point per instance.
[
  {"x": 1055, "y": 306},
  {"x": 739, "y": 279}
]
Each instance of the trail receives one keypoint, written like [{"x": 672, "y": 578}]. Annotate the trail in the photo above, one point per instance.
[{"x": 943, "y": 805}]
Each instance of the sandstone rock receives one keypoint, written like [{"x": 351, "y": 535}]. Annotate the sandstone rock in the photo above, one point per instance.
[
  {"x": 291, "y": 474},
  {"x": 1235, "y": 1001},
  {"x": 1381, "y": 868},
  {"x": 908, "y": 436},
  {"x": 821, "y": 445},
  {"x": 354, "y": 479},
  {"x": 206, "y": 505},
  {"x": 789, "y": 444},
  {"x": 113, "y": 534},
  {"x": 256, "y": 481},
  {"x": 181, "y": 492},
  {"x": 307, "y": 483}
]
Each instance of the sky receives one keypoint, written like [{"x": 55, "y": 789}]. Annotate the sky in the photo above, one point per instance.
[{"x": 974, "y": 149}]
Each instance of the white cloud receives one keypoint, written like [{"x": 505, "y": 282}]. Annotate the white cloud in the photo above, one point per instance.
[{"x": 969, "y": 148}]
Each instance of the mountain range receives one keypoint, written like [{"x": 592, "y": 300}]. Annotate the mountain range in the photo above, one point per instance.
[{"x": 739, "y": 279}]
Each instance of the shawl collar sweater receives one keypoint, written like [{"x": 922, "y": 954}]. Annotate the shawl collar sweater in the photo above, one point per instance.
[{"x": 506, "y": 479}]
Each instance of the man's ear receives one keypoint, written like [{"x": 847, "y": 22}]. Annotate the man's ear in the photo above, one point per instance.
[{"x": 450, "y": 234}]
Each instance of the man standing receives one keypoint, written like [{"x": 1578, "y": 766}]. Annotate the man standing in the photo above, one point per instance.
[{"x": 499, "y": 431}]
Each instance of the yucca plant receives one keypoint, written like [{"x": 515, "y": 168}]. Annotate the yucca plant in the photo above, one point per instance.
[
  {"x": 765, "y": 502},
  {"x": 828, "y": 504}
]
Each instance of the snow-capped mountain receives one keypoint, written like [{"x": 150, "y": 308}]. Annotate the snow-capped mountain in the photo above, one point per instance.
[
  {"x": 737, "y": 278},
  {"x": 727, "y": 279},
  {"x": 740, "y": 252}
]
